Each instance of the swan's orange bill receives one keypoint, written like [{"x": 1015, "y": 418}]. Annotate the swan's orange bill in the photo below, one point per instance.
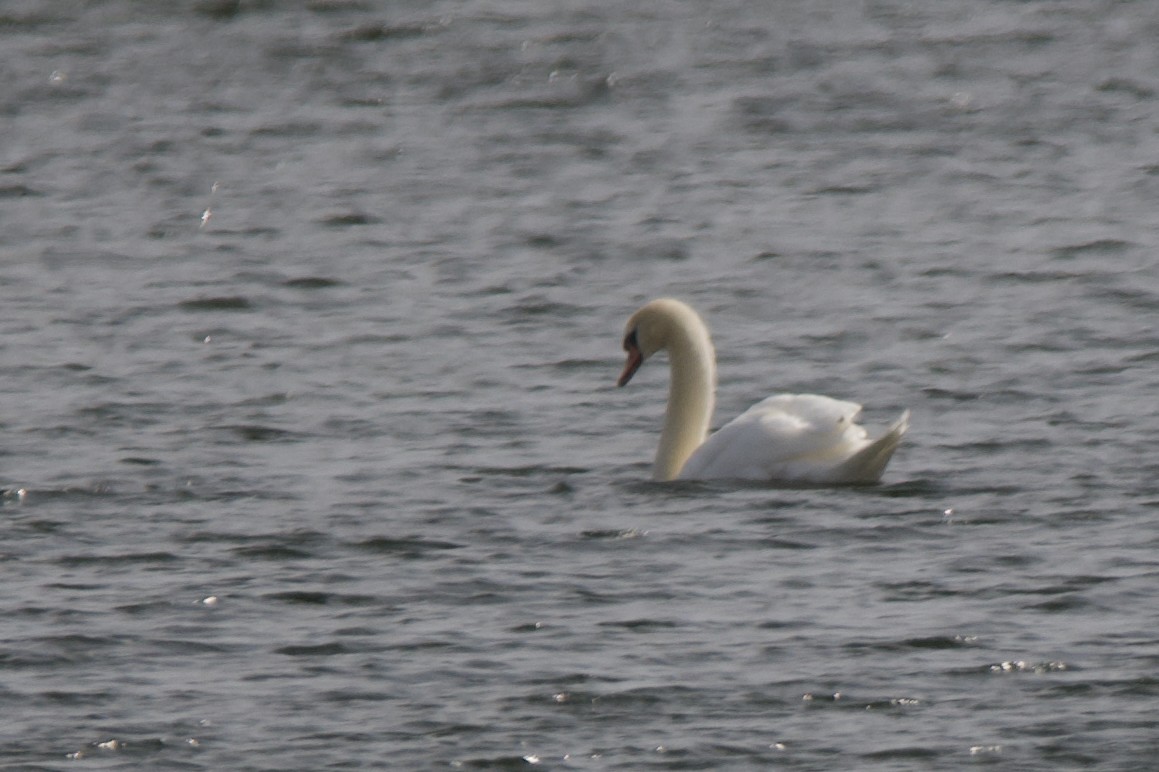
[{"x": 631, "y": 366}]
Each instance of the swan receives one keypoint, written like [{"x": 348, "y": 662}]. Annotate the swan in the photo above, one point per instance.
[{"x": 793, "y": 438}]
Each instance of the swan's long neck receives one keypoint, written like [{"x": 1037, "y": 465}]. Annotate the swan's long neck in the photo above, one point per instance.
[{"x": 691, "y": 393}]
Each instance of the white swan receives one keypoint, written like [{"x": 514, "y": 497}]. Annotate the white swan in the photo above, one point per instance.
[{"x": 802, "y": 438}]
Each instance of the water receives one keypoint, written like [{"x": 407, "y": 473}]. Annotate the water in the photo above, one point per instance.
[{"x": 310, "y": 318}]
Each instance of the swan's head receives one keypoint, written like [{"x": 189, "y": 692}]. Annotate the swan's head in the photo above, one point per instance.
[{"x": 650, "y": 329}]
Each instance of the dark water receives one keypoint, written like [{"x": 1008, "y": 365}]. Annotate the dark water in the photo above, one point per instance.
[{"x": 310, "y": 316}]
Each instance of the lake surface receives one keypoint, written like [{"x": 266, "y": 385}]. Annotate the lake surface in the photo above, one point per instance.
[{"x": 310, "y": 318}]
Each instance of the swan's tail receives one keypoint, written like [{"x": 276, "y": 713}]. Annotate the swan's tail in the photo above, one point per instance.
[{"x": 868, "y": 464}]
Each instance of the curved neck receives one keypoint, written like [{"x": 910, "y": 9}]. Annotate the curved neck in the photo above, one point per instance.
[{"x": 691, "y": 392}]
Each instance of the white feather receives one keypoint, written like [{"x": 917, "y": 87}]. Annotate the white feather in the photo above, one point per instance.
[{"x": 795, "y": 437}]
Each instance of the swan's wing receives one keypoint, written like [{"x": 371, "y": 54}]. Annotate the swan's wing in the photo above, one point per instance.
[
  {"x": 867, "y": 464},
  {"x": 790, "y": 437}
]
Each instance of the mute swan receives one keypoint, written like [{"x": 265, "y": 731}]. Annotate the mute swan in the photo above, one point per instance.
[{"x": 803, "y": 438}]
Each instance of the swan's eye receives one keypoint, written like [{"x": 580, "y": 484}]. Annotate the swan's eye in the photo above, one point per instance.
[{"x": 630, "y": 342}]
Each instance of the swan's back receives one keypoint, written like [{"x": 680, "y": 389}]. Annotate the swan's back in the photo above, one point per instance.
[{"x": 799, "y": 437}]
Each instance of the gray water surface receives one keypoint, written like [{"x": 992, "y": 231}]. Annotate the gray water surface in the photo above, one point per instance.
[{"x": 310, "y": 317}]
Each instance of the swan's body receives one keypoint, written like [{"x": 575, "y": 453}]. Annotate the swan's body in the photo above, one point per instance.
[{"x": 802, "y": 438}]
